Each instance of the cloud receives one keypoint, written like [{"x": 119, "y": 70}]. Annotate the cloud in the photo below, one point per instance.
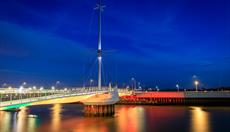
[{"x": 38, "y": 44}]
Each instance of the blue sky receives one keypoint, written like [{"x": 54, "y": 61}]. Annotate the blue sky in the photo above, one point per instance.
[{"x": 160, "y": 42}]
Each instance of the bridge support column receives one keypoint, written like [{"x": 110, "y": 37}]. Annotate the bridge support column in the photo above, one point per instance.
[{"x": 99, "y": 110}]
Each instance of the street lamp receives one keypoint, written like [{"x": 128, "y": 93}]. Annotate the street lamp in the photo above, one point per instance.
[
  {"x": 20, "y": 91},
  {"x": 21, "y": 88},
  {"x": 65, "y": 90},
  {"x": 57, "y": 84},
  {"x": 24, "y": 84},
  {"x": 41, "y": 88},
  {"x": 91, "y": 82},
  {"x": 139, "y": 86},
  {"x": 53, "y": 89},
  {"x": 196, "y": 84},
  {"x": 29, "y": 92},
  {"x": 34, "y": 88},
  {"x": 157, "y": 88},
  {"x": 34, "y": 91},
  {"x": 177, "y": 86},
  {"x": 127, "y": 88},
  {"x": 133, "y": 83},
  {"x": 10, "y": 92}
]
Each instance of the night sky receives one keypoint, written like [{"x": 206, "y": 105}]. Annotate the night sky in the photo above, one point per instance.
[{"x": 158, "y": 42}]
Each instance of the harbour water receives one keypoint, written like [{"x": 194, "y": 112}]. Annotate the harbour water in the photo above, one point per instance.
[{"x": 128, "y": 118}]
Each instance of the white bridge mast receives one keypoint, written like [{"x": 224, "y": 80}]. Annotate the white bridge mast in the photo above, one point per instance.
[{"x": 99, "y": 51}]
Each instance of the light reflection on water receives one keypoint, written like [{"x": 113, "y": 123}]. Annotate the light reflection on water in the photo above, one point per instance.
[
  {"x": 131, "y": 119},
  {"x": 70, "y": 118},
  {"x": 31, "y": 125},
  {"x": 56, "y": 117},
  {"x": 200, "y": 121},
  {"x": 17, "y": 121},
  {"x": 21, "y": 118},
  {"x": 5, "y": 121}
]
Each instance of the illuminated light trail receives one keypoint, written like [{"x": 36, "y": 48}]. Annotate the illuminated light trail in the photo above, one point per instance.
[{"x": 15, "y": 106}]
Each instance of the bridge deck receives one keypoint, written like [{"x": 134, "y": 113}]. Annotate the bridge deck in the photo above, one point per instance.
[{"x": 51, "y": 99}]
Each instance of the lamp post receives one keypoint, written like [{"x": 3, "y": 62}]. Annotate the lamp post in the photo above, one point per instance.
[
  {"x": 196, "y": 84},
  {"x": 57, "y": 84},
  {"x": 91, "y": 82},
  {"x": 139, "y": 86},
  {"x": 24, "y": 84},
  {"x": 65, "y": 90},
  {"x": 29, "y": 92},
  {"x": 127, "y": 88},
  {"x": 34, "y": 91},
  {"x": 10, "y": 93},
  {"x": 177, "y": 86},
  {"x": 133, "y": 83},
  {"x": 20, "y": 92},
  {"x": 157, "y": 88},
  {"x": 53, "y": 89},
  {"x": 41, "y": 88}
]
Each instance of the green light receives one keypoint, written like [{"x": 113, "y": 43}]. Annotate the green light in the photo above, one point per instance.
[{"x": 15, "y": 106}]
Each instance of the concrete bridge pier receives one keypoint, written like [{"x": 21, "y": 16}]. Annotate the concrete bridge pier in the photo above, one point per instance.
[{"x": 101, "y": 104}]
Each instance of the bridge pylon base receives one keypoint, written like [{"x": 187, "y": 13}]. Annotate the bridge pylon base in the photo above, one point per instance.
[{"x": 99, "y": 110}]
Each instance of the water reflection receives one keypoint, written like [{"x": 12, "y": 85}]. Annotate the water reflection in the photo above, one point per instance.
[
  {"x": 70, "y": 118},
  {"x": 20, "y": 119},
  {"x": 131, "y": 119},
  {"x": 199, "y": 120},
  {"x": 32, "y": 124},
  {"x": 56, "y": 117},
  {"x": 17, "y": 121},
  {"x": 5, "y": 121}
]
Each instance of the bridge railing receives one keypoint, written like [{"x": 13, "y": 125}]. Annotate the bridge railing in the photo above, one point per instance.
[{"x": 54, "y": 96}]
